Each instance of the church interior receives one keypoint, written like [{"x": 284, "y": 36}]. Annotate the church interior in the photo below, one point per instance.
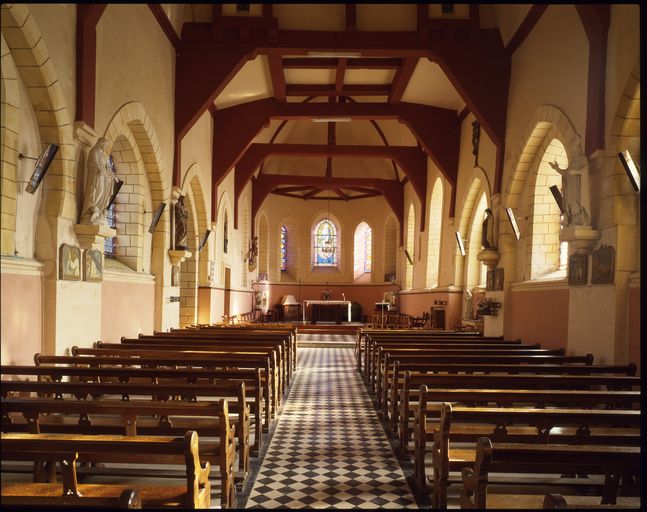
[{"x": 320, "y": 255}]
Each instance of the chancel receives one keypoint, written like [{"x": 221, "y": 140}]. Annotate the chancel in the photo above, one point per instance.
[{"x": 273, "y": 255}]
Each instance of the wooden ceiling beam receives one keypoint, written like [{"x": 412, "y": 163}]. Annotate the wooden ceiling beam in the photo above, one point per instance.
[
  {"x": 401, "y": 80},
  {"x": 278, "y": 76},
  {"x": 332, "y": 63},
  {"x": 351, "y": 17},
  {"x": 331, "y": 90},
  {"x": 339, "y": 77}
]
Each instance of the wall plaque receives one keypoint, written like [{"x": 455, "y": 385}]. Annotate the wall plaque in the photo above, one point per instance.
[
  {"x": 70, "y": 263},
  {"x": 603, "y": 265},
  {"x": 578, "y": 269}
]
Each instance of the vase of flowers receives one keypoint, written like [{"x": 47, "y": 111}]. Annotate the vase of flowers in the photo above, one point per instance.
[
  {"x": 326, "y": 294},
  {"x": 486, "y": 306}
]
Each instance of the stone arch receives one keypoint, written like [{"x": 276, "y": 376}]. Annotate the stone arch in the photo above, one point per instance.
[
  {"x": 189, "y": 269},
  {"x": 294, "y": 248},
  {"x": 202, "y": 224},
  {"x": 390, "y": 244},
  {"x": 476, "y": 188},
  {"x": 410, "y": 247},
  {"x": 263, "y": 244},
  {"x": 360, "y": 256},
  {"x": 436, "y": 205},
  {"x": 27, "y": 47},
  {"x": 245, "y": 240},
  {"x": 133, "y": 124},
  {"x": 527, "y": 148}
]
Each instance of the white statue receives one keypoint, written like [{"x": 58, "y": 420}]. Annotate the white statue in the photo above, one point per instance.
[
  {"x": 467, "y": 305},
  {"x": 574, "y": 212},
  {"x": 490, "y": 235},
  {"x": 99, "y": 184}
]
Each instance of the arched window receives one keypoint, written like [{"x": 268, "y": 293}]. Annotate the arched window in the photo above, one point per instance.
[
  {"x": 435, "y": 223},
  {"x": 325, "y": 244},
  {"x": 408, "y": 282},
  {"x": 225, "y": 233},
  {"x": 284, "y": 248},
  {"x": 363, "y": 250},
  {"x": 547, "y": 255},
  {"x": 110, "y": 244}
]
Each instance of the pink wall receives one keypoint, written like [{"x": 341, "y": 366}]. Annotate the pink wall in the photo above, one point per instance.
[
  {"x": 127, "y": 309},
  {"x": 538, "y": 316},
  {"x": 634, "y": 327},
  {"x": 211, "y": 303},
  {"x": 22, "y": 318},
  {"x": 367, "y": 295},
  {"x": 418, "y": 303}
]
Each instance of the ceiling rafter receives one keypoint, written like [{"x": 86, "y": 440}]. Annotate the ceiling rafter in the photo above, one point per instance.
[
  {"x": 401, "y": 79},
  {"x": 332, "y": 63},
  {"x": 278, "y": 76},
  {"x": 331, "y": 90}
]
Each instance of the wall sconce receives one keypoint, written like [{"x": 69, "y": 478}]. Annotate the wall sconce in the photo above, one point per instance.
[
  {"x": 459, "y": 242},
  {"x": 630, "y": 169}
]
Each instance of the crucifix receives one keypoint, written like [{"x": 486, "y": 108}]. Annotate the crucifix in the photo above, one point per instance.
[{"x": 476, "y": 135}]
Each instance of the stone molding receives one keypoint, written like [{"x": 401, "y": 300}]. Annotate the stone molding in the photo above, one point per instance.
[
  {"x": 21, "y": 266},
  {"x": 539, "y": 285},
  {"x": 127, "y": 277}
]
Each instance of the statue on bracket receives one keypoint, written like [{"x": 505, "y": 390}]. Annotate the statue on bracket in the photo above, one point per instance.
[
  {"x": 490, "y": 234},
  {"x": 99, "y": 184},
  {"x": 574, "y": 212},
  {"x": 181, "y": 218}
]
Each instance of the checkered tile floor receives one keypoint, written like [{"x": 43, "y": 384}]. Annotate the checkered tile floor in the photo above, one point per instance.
[{"x": 329, "y": 449}]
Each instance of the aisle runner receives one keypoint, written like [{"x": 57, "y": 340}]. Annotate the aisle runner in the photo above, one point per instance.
[{"x": 329, "y": 449}]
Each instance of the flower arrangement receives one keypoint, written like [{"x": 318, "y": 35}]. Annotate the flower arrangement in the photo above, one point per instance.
[
  {"x": 487, "y": 306},
  {"x": 326, "y": 294}
]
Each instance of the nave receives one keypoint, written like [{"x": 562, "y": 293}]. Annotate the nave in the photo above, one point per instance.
[{"x": 329, "y": 449}]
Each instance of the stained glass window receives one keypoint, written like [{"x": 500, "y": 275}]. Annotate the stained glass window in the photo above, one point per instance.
[
  {"x": 284, "y": 248},
  {"x": 325, "y": 246},
  {"x": 110, "y": 244},
  {"x": 368, "y": 238}
]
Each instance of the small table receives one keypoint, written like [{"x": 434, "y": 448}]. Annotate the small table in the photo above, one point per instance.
[{"x": 322, "y": 310}]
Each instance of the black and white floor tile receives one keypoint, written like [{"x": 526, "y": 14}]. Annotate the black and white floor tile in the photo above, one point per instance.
[{"x": 329, "y": 449}]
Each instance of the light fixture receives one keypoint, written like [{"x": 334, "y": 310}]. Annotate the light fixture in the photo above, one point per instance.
[
  {"x": 631, "y": 169},
  {"x": 341, "y": 54},
  {"x": 459, "y": 241},
  {"x": 331, "y": 119},
  {"x": 554, "y": 189},
  {"x": 513, "y": 223},
  {"x": 40, "y": 168}
]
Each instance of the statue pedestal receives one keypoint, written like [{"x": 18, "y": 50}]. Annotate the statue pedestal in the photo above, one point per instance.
[
  {"x": 178, "y": 257},
  {"x": 493, "y": 324},
  {"x": 489, "y": 257},
  {"x": 91, "y": 235},
  {"x": 582, "y": 238}
]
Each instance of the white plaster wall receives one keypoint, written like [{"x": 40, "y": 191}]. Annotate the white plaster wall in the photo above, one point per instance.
[
  {"x": 550, "y": 67},
  {"x": 623, "y": 52},
  {"x": 299, "y": 216},
  {"x": 135, "y": 62},
  {"x": 197, "y": 147},
  {"x": 78, "y": 314},
  {"x": 508, "y": 18},
  {"x": 57, "y": 24},
  {"x": 27, "y": 205},
  {"x": 591, "y": 322}
]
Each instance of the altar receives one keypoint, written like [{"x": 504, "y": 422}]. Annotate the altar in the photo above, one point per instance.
[{"x": 337, "y": 311}]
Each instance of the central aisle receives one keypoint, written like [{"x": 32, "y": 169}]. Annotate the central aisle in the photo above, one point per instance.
[{"x": 329, "y": 449}]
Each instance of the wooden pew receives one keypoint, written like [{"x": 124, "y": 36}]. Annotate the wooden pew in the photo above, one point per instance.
[
  {"x": 218, "y": 449},
  {"x": 372, "y": 343},
  {"x": 286, "y": 338},
  {"x": 395, "y": 379},
  {"x": 371, "y": 361},
  {"x": 557, "y": 501},
  {"x": 614, "y": 462},
  {"x": 69, "y": 449},
  {"x": 128, "y": 499},
  {"x": 181, "y": 345},
  {"x": 410, "y": 390},
  {"x": 473, "y": 356},
  {"x": 387, "y": 356},
  {"x": 198, "y": 378},
  {"x": 205, "y": 359},
  {"x": 460, "y": 424},
  {"x": 367, "y": 337},
  {"x": 234, "y": 392},
  {"x": 128, "y": 369}
]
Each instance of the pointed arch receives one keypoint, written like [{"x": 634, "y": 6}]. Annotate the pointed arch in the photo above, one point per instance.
[
  {"x": 362, "y": 250},
  {"x": 435, "y": 226},
  {"x": 325, "y": 246},
  {"x": 390, "y": 244},
  {"x": 189, "y": 270},
  {"x": 474, "y": 192},
  {"x": 263, "y": 244},
  {"x": 411, "y": 230}
]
